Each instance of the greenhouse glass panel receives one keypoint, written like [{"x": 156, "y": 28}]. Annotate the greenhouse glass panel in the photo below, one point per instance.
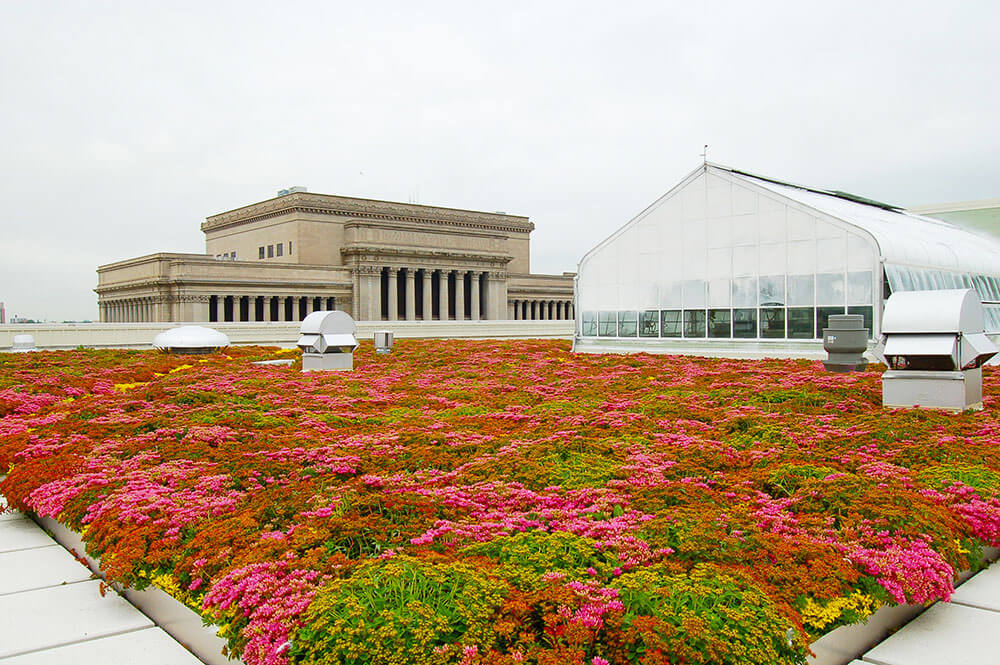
[
  {"x": 670, "y": 323},
  {"x": 823, "y": 315},
  {"x": 588, "y": 324},
  {"x": 745, "y": 292},
  {"x": 694, "y": 323},
  {"x": 866, "y": 312},
  {"x": 773, "y": 258},
  {"x": 720, "y": 262},
  {"x": 859, "y": 287},
  {"x": 831, "y": 254},
  {"x": 649, "y": 324},
  {"x": 607, "y": 324},
  {"x": 802, "y": 256},
  {"x": 982, "y": 288},
  {"x": 670, "y": 294},
  {"x": 745, "y": 323},
  {"x": 994, "y": 289},
  {"x": 905, "y": 280},
  {"x": 694, "y": 293},
  {"x": 801, "y": 290},
  {"x": 830, "y": 289},
  {"x": 719, "y": 293},
  {"x": 800, "y": 322},
  {"x": 628, "y": 324},
  {"x": 992, "y": 317},
  {"x": 772, "y": 322},
  {"x": 772, "y": 290},
  {"x": 720, "y": 323},
  {"x": 744, "y": 260}
]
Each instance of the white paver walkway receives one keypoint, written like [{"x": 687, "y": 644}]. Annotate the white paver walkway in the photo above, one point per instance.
[
  {"x": 52, "y": 612},
  {"x": 965, "y": 631}
]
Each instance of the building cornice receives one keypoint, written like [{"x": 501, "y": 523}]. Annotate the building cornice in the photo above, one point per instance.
[
  {"x": 345, "y": 206},
  {"x": 359, "y": 251}
]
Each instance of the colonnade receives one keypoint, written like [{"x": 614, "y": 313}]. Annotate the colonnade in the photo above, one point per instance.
[
  {"x": 411, "y": 294},
  {"x": 266, "y": 308},
  {"x": 542, "y": 310},
  {"x": 131, "y": 310}
]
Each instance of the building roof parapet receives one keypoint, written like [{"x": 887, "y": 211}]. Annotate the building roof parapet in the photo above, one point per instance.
[{"x": 346, "y": 206}]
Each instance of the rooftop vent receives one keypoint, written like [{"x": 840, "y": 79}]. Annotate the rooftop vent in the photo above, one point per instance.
[
  {"x": 190, "y": 340},
  {"x": 935, "y": 346},
  {"x": 23, "y": 344},
  {"x": 292, "y": 190},
  {"x": 328, "y": 340}
]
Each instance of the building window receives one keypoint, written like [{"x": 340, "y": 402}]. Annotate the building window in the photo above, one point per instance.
[
  {"x": 649, "y": 324},
  {"x": 772, "y": 322},
  {"x": 670, "y": 323},
  {"x": 260, "y": 251},
  {"x": 270, "y": 251},
  {"x": 289, "y": 247},
  {"x": 281, "y": 248},
  {"x": 232, "y": 255},
  {"x": 627, "y": 324},
  {"x": 588, "y": 324},
  {"x": 745, "y": 323},
  {"x": 607, "y": 324},
  {"x": 694, "y": 323},
  {"x": 720, "y": 323},
  {"x": 800, "y": 322}
]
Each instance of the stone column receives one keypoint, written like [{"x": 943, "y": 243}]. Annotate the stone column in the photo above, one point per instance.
[
  {"x": 459, "y": 295},
  {"x": 512, "y": 310},
  {"x": 428, "y": 297},
  {"x": 411, "y": 294},
  {"x": 496, "y": 295},
  {"x": 392, "y": 295},
  {"x": 253, "y": 310},
  {"x": 444, "y": 295},
  {"x": 475, "y": 296}
]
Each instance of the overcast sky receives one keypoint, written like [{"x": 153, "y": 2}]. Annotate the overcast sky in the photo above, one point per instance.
[{"x": 125, "y": 124}]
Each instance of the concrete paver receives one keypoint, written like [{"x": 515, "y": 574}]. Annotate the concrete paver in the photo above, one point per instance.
[
  {"x": 24, "y": 570},
  {"x": 946, "y": 633},
  {"x": 150, "y": 646},
  {"x": 982, "y": 591},
  {"x": 60, "y": 615},
  {"x": 22, "y": 534}
]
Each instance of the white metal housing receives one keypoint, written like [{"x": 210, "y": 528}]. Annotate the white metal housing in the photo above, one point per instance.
[
  {"x": 190, "y": 339},
  {"x": 328, "y": 340}
]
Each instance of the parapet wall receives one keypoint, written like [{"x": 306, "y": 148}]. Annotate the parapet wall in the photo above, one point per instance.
[{"x": 51, "y": 336}]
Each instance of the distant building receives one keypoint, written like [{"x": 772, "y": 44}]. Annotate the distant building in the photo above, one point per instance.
[
  {"x": 280, "y": 259},
  {"x": 982, "y": 216},
  {"x": 731, "y": 260}
]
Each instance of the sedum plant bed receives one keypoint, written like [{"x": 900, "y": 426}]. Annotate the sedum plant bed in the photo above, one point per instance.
[{"x": 503, "y": 502}]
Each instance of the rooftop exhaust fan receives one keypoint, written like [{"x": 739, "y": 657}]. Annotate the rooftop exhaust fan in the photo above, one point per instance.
[
  {"x": 935, "y": 346},
  {"x": 328, "y": 340}
]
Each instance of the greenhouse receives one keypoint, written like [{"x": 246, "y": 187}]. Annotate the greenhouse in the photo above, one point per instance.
[{"x": 729, "y": 259}]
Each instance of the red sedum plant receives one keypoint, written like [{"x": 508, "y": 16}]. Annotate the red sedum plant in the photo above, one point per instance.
[{"x": 503, "y": 502}]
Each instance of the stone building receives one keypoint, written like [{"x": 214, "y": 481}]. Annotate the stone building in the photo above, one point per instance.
[{"x": 280, "y": 259}]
